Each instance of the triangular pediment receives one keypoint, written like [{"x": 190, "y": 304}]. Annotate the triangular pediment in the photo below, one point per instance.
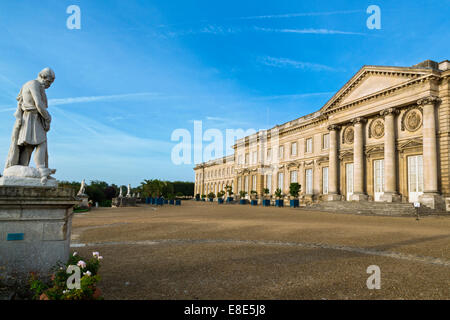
[{"x": 370, "y": 80}]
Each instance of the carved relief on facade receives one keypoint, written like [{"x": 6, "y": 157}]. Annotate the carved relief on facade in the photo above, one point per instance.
[
  {"x": 376, "y": 128},
  {"x": 348, "y": 135},
  {"x": 412, "y": 119}
]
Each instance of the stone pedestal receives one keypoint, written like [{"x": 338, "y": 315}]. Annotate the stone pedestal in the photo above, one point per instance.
[
  {"x": 123, "y": 202},
  {"x": 433, "y": 201},
  {"x": 359, "y": 197},
  {"x": 35, "y": 226},
  {"x": 333, "y": 197},
  {"x": 83, "y": 201},
  {"x": 390, "y": 197}
]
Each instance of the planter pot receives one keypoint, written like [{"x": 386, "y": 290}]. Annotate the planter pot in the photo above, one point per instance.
[
  {"x": 242, "y": 201},
  {"x": 203, "y": 199},
  {"x": 160, "y": 201},
  {"x": 171, "y": 201},
  {"x": 220, "y": 200},
  {"x": 166, "y": 201},
  {"x": 229, "y": 199},
  {"x": 294, "y": 203},
  {"x": 197, "y": 199},
  {"x": 178, "y": 202},
  {"x": 211, "y": 199},
  {"x": 279, "y": 202},
  {"x": 266, "y": 202},
  {"x": 254, "y": 202}
]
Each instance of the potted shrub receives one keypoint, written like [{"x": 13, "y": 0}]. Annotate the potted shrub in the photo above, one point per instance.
[
  {"x": 266, "y": 200},
  {"x": 242, "y": 195},
  {"x": 294, "y": 190},
  {"x": 253, "y": 195},
  {"x": 229, "y": 190},
  {"x": 279, "y": 198},
  {"x": 220, "y": 195},
  {"x": 197, "y": 197},
  {"x": 203, "y": 197},
  {"x": 211, "y": 196}
]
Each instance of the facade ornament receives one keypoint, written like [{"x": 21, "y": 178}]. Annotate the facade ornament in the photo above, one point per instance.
[
  {"x": 428, "y": 100},
  {"x": 412, "y": 119},
  {"x": 376, "y": 128},
  {"x": 334, "y": 127},
  {"x": 348, "y": 135}
]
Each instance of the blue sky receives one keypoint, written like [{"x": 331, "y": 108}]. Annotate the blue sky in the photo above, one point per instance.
[{"x": 138, "y": 70}]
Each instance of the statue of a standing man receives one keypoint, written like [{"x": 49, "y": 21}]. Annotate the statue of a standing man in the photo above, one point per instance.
[{"x": 32, "y": 123}]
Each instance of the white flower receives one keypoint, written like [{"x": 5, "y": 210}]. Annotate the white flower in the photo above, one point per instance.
[
  {"x": 87, "y": 273},
  {"x": 65, "y": 291},
  {"x": 95, "y": 254},
  {"x": 75, "y": 253},
  {"x": 100, "y": 257},
  {"x": 81, "y": 264}
]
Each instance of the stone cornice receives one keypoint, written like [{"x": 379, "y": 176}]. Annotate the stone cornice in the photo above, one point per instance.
[{"x": 389, "y": 111}]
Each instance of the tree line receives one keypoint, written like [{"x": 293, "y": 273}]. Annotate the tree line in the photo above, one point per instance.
[{"x": 102, "y": 192}]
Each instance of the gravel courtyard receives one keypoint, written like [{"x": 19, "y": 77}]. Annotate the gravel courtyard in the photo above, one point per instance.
[{"x": 210, "y": 251}]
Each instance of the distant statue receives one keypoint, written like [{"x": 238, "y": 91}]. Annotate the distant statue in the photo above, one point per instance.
[
  {"x": 129, "y": 191},
  {"x": 138, "y": 195},
  {"x": 30, "y": 130},
  {"x": 82, "y": 191},
  {"x": 120, "y": 193}
]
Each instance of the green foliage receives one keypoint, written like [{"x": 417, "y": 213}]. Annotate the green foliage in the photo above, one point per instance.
[
  {"x": 229, "y": 189},
  {"x": 266, "y": 191},
  {"x": 57, "y": 288},
  {"x": 203, "y": 196},
  {"x": 220, "y": 194},
  {"x": 278, "y": 193},
  {"x": 197, "y": 196},
  {"x": 294, "y": 189},
  {"x": 157, "y": 188},
  {"x": 211, "y": 195},
  {"x": 242, "y": 193},
  {"x": 253, "y": 192}
]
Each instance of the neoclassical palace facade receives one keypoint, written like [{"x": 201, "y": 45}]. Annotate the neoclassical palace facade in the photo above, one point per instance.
[{"x": 384, "y": 136}]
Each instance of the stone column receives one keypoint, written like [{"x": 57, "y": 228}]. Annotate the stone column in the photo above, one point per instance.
[
  {"x": 390, "y": 163},
  {"x": 333, "y": 165},
  {"x": 430, "y": 197},
  {"x": 358, "y": 160}
]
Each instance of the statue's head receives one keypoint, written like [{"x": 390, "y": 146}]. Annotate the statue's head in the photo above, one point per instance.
[{"x": 46, "y": 77}]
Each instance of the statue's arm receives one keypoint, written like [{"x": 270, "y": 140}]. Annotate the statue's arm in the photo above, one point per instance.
[{"x": 40, "y": 104}]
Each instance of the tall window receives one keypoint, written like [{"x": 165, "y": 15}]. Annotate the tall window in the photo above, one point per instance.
[
  {"x": 246, "y": 158},
  {"x": 293, "y": 148},
  {"x": 255, "y": 157},
  {"x": 309, "y": 145},
  {"x": 281, "y": 152},
  {"x": 293, "y": 176},
  {"x": 269, "y": 183},
  {"x": 325, "y": 180},
  {"x": 269, "y": 154},
  {"x": 309, "y": 181},
  {"x": 326, "y": 141},
  {"x": 239, "y": 184},
  {"x": 246, "y": 184},
  {"x": 254, "y": 182},
  {"x": 281, "y": 180},
  {"x": 241, "y": 159}
]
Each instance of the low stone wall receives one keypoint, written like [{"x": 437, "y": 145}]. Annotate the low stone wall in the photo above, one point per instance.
[{"x": 35, "y": 227}]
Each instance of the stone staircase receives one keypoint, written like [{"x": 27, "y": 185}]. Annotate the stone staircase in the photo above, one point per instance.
[{"x": 370, "y": 208}]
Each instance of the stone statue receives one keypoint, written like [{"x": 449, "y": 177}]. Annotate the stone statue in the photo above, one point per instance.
[
  {"x": 129, "y": 191},
  {"x": 30, "y": 134},
  {"x": 82, "y": 191},
  {"x": 120, "y": 192}
]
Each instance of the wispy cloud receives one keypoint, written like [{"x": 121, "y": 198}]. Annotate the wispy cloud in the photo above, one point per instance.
[
  {"x": 308, "y": 31},
  {"x": 296, "y": 96},
  {"x": 299, "y": 14},
  {"x": 8, "y": 110},
  {"x": 55, "y": 102},
  {"x": 288, "y": 63}
]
